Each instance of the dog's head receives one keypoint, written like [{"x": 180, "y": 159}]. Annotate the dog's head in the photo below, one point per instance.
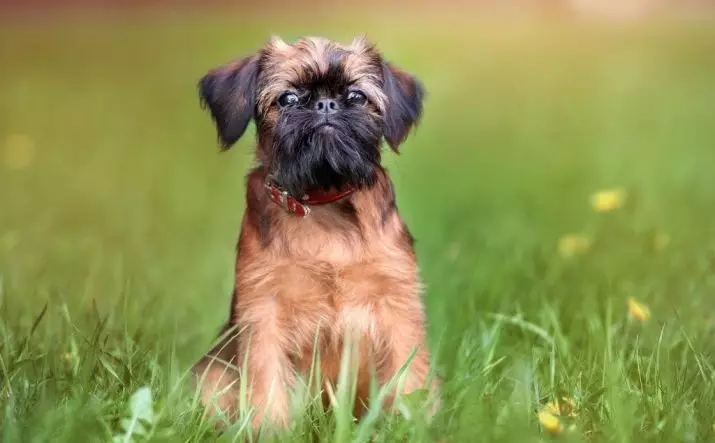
[{"x": 321, "y": 109}]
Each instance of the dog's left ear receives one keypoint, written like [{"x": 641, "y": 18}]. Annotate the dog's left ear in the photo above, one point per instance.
[
  {"x": 405, "y": 95},
  {"x": 229, "y": 92}
]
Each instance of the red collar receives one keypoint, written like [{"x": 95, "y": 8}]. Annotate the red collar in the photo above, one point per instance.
[{"x": 299, "y": 206}]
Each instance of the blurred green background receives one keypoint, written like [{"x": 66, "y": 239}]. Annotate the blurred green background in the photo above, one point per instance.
[{"x": 119, "y": 216}]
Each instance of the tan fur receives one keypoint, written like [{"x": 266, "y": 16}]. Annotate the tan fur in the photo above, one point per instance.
[
  {"x": 311, "y": 280},
  {"x": 328, "y": 273},
  {"x": 286, "y": 63}
]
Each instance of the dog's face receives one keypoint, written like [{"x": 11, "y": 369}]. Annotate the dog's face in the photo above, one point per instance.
[{"x": 321, "y": 109}]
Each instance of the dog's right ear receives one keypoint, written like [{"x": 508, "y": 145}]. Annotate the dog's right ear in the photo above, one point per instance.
[{"x": 229, "y": 92}]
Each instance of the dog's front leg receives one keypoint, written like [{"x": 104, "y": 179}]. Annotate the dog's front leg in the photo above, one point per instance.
[
  {"x": 403, "y": 332},
  {"x": 268, "y": 366},
  {"x": 217, "y": 376}
]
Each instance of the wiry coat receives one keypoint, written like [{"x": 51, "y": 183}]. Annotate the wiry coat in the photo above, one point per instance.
[{"x": 349, "y": 268}]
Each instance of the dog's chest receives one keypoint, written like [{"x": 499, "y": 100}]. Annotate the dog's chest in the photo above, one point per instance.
[
  {"x": 335, "y": 300},
  {"x": 331, "y": 282}
]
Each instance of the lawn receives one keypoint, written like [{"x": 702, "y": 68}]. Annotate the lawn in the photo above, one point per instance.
[{"x": 119, "y": 217}]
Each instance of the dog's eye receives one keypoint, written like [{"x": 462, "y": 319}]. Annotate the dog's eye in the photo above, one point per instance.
[
  {"x": 356, "y": 97},
  {"x": 288, "y": 99}
]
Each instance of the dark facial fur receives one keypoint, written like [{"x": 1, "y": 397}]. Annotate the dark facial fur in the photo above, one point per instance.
[
  {"x": 301, "y": 145},
  {"x": 312, "y": 150}
]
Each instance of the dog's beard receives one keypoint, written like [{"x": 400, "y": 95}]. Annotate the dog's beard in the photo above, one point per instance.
[{"x": 308, "y": 155}]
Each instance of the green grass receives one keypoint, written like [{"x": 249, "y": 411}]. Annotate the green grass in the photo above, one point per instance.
[{"x": 117, "y": 240}]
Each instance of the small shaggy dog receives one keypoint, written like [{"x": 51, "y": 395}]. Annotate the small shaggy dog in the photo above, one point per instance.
[{"x": 322, "y": 248}]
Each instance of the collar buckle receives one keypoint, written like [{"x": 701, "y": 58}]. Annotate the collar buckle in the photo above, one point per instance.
[{"x": 285, "y": 200}]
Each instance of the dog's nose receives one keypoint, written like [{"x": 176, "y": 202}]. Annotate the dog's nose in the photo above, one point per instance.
[{"x": 327, "y": 106}]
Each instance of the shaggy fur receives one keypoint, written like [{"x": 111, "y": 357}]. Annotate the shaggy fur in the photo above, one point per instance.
[{"x": 347, "y": 268}]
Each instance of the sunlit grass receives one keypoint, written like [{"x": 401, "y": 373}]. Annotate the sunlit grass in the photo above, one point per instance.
[{"x": 560, "y": 189}]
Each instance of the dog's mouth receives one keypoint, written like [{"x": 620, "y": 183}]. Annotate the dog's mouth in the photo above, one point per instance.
[
  {"x": 326, "y": 126},
  {"x": 321, "y": 152},
  {"x": 325, "y": 123}
]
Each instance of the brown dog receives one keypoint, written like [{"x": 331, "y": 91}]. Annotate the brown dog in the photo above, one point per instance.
[{"x": 322, "y": 247}]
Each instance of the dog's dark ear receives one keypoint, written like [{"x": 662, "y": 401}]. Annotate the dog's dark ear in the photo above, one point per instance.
[
  {"x": 229, "y": 92},
  {"x": 405, "y": 94}
]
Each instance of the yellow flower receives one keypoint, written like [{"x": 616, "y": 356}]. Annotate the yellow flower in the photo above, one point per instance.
[
  {"x": 18, "y": 151},
  {"x": 638, "y": 310},
  {"x": 571, "y": 244},
  {"x": 565, "y": 407},
  {"x": 550, "y": 422},
  {"x": 661, "y": 241},
  {"x": 552, "y": 407},
  {"x": 608, "y": 200}
]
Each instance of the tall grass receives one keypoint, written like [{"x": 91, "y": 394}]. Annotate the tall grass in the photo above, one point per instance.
[{"x": 118, "y": 221}]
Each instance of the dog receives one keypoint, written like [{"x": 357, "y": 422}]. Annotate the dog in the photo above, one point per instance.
[{"x": 323, "y": 253}]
